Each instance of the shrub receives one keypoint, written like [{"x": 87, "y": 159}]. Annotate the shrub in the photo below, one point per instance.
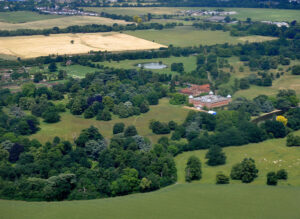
[
  {"x": 222, "y": 179},
  {"x": 272, "y": 179}
]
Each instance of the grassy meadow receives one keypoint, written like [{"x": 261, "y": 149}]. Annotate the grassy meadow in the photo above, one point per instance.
[
  {"x": 70, "y": 126},
  {"x": 270, "y": 155},
  {"x": 189, "y": 36},
  {"x": 188, "y": 62},
  {"x": 177, "y": 201}
]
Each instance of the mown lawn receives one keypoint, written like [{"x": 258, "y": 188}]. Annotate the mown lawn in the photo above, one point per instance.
[
  {"x": 271, "y": 155},
  {"x": 177, "y": 201},
  {"x": 188, "y": 62},
  {"x": 70, "y": 126},
  {"x": 189, "y": 36}
]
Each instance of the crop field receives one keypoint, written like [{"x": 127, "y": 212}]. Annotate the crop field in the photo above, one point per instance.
[
  {"x": 188, "y": 62},
  {"x": 60, "y": 22},
  {"x": 70, "y": 126},
  {"x": 271, "y": 155},
  {"x": 24, "y": 16},
  {"x": 189, "y": 36},
  {"x": 34, "y": 46}
]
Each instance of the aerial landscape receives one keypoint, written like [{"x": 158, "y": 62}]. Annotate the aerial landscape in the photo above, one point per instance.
[{"x": 150, "y": 109}]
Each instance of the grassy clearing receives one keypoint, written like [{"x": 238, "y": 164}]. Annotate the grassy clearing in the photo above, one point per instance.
[
  {"x": 286, "y": 81},
  {"x": 188, "y": 62},
  {"x": 70, "y": 126},
  {"x": 178, "y": 201},
  {"x": 60, "y": 22},
  {"x": 189, "y": 36},
  {"x": 35, "y": 46},
  {"x": 24, "y": 16},
  {"x": 271, "y": 155}
]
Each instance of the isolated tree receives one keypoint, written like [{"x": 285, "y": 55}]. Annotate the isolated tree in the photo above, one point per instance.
[
  {"x": 130, "y": 131},
  {"x": 282, "y": 119},
  {"x": 193, "y": 169},
  {"x": 118, "y": 128},
  {"x": 52, "y": 67},
  {"x": 215, "y": 156},
  {"x": 272, "y": 179},
  {"x": 282, "y": 174}
]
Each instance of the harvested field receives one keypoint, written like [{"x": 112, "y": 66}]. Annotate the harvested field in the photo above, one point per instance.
[
  {"x": 60, "y": 22},
  {"x": 35, "y": 46}
]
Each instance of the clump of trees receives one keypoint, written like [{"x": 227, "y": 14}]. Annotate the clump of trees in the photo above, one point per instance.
[
  {"x": 193, "y": 169},
  {"x": 272, "y": 177},
  {"x": 159, "y": 127}
]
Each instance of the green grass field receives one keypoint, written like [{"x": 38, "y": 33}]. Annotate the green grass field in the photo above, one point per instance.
[
  {"x": 132, "y": 11},
  {"x": 188, "y": 62},
  {"x": 271, "y": 155},
  {"x": 177, "y": 201},
  {"x": 256, "y": 14},
  {"x": 24, "y": 16},
  {"x": 189, "y": 36},
  {"x": 70, "y": 126}
]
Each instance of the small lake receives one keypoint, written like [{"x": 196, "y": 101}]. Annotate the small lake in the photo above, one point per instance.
[{"x": 152, "y": 65}]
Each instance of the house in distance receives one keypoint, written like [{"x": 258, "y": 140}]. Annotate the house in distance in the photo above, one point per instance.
[
  {"x": 209, "y": 101},
  {"x": 195, "y": 90}
]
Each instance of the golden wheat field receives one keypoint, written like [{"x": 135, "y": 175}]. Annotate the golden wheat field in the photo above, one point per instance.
[
  {"x": 60, "y": 44},
  {"x": 60, "y": 22}
]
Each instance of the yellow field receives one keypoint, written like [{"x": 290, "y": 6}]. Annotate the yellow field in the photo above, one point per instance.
[
  {"x": 35, "y": 46},
  {"x": 60, "y": 22}
]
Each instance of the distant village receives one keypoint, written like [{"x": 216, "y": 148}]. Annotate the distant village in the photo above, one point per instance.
[{"x": 65, "y": 11}]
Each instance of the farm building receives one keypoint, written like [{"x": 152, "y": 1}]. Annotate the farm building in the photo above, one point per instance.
[
  {"x": 216, "y": 19},
  {"x": 196, "y": 90},
  {"x": 210, "y": 101}
]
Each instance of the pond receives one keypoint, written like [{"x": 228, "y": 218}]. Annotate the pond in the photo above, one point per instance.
[{"x": 152, "y": 65}]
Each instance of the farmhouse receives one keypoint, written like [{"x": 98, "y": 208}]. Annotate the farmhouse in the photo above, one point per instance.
[
  {"x": 210, "y": 101},
  {"x": 196, "y": 90}
]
